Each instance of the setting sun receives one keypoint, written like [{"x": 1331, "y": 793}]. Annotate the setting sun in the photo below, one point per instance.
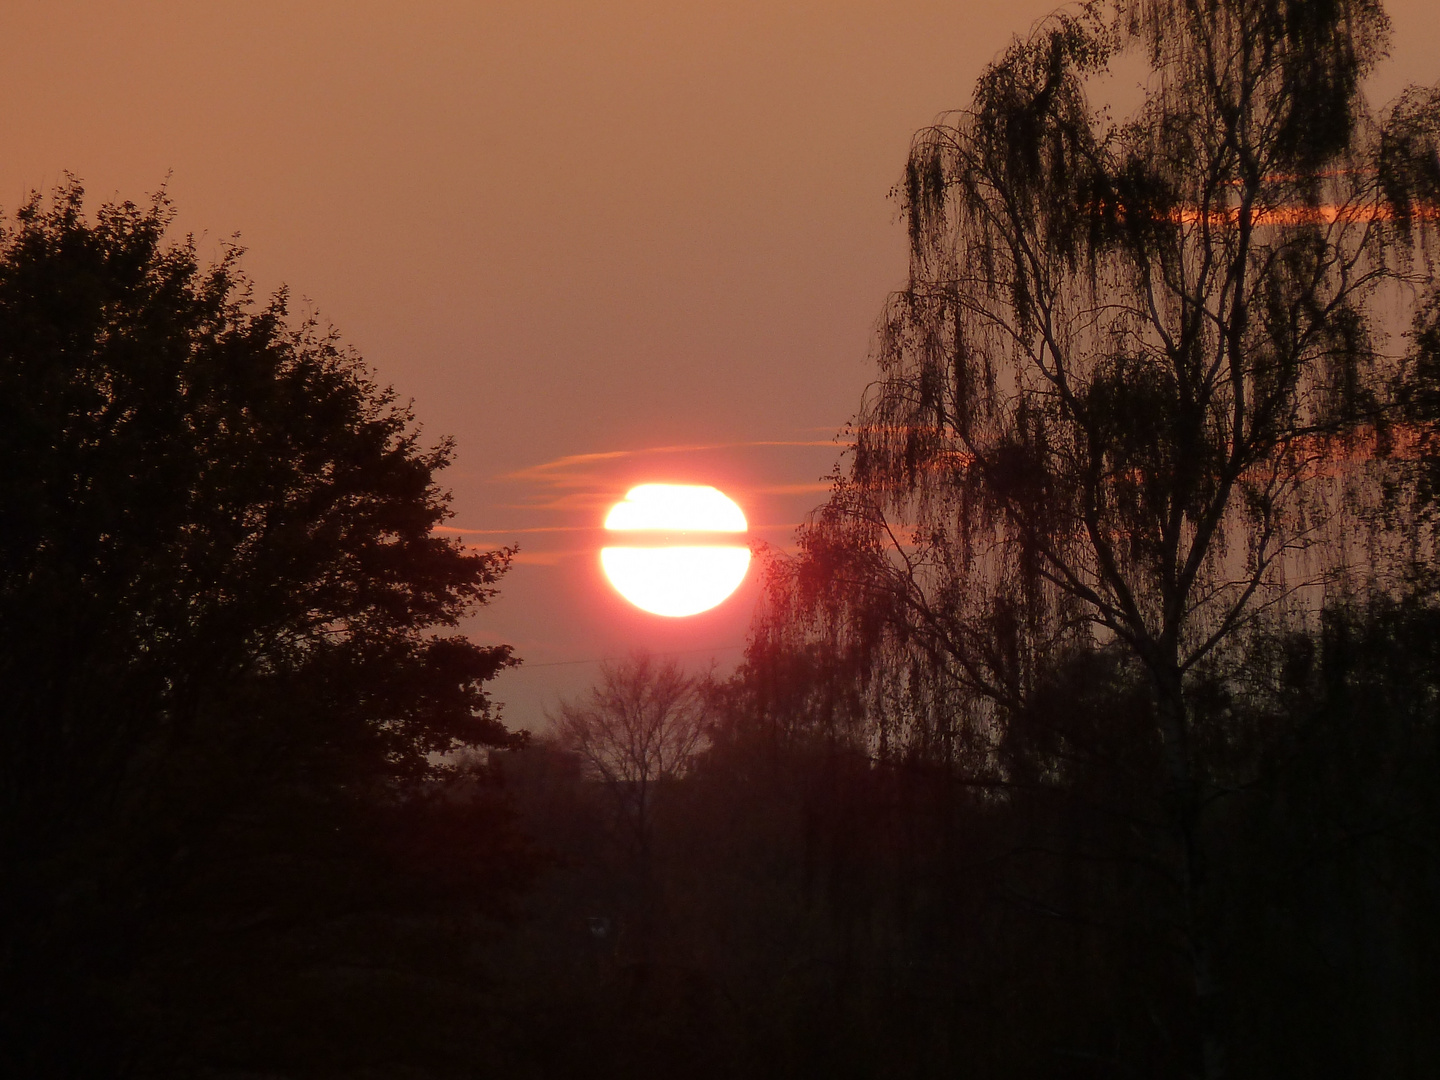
[{"x": 674, "y": 562}]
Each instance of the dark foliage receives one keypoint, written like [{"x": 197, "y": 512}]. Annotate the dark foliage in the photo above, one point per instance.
[
  {"x": 818, "y": 910},
  {"x": 226, "y": 652},
  {"x": 1144, "y": 389}
]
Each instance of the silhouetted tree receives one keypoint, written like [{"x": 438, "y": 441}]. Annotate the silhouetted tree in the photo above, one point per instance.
[
  {"x": 637, "y": 729},
  {"x": 222, "y": 605},
  {"x": 1133, "y": 394}
]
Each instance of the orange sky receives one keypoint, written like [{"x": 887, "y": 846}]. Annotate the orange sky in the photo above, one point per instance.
[{"x": 572, "y": 231}]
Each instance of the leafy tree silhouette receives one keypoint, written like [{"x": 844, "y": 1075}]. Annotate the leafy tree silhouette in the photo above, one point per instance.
[
  {"x": 218, "y": 581},
  {"x": 1134, "y": 391}
]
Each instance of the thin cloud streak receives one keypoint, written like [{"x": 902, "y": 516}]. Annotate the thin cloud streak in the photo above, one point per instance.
[
  {"x": 792, "y": 489},
  {"x": 585, "y": 528},
  {"x": 552, "y": 471},
  {"x": 507, "y": 532},
  {"x": 581, "y": 487}
]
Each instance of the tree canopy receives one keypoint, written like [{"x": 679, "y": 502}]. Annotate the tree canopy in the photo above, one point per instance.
[
  {"x": 1145, "y": 388},
  {"x": 1117, "y": 397},
  {"x": 219, "y": 576}
]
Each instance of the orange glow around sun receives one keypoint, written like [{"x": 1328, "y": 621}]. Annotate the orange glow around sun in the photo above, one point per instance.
[{"x": 674, "y": 562}]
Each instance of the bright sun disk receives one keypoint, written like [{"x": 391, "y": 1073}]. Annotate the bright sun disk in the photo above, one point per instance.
[{"x": 674, "y": 565}]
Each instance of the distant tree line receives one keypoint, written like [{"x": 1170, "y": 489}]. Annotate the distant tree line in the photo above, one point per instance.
[
  {"x": 1092, "y": 731},
  {"x": 809, "y": 907}
]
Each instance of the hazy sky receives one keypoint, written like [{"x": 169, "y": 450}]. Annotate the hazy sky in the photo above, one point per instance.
[{"x": 582, "y": 236}]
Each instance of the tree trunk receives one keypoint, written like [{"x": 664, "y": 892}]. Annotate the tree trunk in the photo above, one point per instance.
[{"x": 1206, "y": 1056}]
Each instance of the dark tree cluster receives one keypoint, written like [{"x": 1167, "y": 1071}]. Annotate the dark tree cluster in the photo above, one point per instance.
[
  {"x": 809, "y": 905},
  {"x": 1148, "y": 418},
  {"x": 228, "y": 668}
]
